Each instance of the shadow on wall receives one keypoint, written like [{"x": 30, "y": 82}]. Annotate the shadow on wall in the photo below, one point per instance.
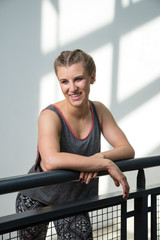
[{"x": 23, "y": 65}]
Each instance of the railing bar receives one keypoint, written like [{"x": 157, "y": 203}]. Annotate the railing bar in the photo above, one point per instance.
[
  {"x": 16, "y": 221},
  {"x": 149, "y": 209},
  {"x": 130, "y": 214},
  {"x": 12, "y": 222},
  {"x": 14, "y": 184},
  {"x": 50, "y": 213}
]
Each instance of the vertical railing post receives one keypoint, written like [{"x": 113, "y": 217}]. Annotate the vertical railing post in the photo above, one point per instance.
[
  {"x": 140, "y": 207},
  {"x": 124, "y": 220},
  {"x": 153, "y": 217}
]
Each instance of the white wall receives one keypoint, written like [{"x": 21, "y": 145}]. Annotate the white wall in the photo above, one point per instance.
[{"x": 122, "y": 36}]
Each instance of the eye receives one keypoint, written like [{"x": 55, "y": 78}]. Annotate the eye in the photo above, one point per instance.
[
  {"x": 78, "y": 79},
  {"x": 64, "y": 81}
]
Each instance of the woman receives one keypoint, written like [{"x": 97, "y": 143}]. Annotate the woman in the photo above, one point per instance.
[{"x": 69, "y": 138}]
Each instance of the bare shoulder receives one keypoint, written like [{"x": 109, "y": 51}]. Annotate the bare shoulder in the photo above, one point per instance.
[
  {"x": 102, "y": 111},
  {"x": 49, "y": 119},
  {"x": 99, "y": 105}
]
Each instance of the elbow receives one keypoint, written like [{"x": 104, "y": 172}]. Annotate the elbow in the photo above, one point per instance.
[
  {"x": 49, "y": 165},
  {"x": 131, "y": 153}
]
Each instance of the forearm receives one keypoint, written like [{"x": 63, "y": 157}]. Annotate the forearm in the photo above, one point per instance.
[
  {"x": 119, "y": 153},
  {"x": 90, "y": 164},
  {"x": 76, "y": 162}
]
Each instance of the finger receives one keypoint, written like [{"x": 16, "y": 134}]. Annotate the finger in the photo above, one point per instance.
[
  {"x": 95, "y": 175},
  {"x": 125, "y": 187},
  {"x": 81, "y": 176},
  {"x": 116, "y": 183},
  {"x": 88, "y": 178},
  {"x": 85, "y": 177}
]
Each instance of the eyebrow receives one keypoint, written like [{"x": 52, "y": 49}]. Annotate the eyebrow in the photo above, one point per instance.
[
  {"x": 64, "y": 79},
  {"x": 80, "y": 76}
]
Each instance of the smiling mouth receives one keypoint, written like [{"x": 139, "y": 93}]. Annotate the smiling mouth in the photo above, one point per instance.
[{"x": 75, "y": 96}]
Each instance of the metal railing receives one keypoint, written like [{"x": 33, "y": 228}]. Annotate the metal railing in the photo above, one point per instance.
[{"x": 98, "y": 206}]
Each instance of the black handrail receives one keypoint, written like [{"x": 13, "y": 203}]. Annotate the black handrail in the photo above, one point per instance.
[{"x": 27, "y": 181}]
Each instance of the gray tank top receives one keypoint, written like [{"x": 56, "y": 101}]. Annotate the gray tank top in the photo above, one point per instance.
[{"x": 69, "y": 142}]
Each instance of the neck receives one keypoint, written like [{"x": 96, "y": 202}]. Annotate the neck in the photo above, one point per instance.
[{"x": 77, "y": 112}]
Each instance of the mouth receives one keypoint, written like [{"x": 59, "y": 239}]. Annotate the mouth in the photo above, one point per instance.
[{"x": 75, "y": 96}]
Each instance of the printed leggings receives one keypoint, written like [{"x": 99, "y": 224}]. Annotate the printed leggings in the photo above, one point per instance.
[{"x": 70, "y": 228}]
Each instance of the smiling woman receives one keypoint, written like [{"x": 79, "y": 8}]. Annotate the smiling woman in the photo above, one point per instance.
[{"x": 69, "y": 134}]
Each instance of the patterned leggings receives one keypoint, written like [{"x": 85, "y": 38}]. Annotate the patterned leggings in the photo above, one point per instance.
[{"x": 70, "y": 228}]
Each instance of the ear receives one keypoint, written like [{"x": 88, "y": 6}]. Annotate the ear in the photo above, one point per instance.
[{"x": 92, "y": 78}]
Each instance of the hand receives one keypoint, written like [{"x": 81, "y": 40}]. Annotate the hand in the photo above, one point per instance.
[
  {"x": 85, "y": 177},
  {"x": 119, "y": 178}
]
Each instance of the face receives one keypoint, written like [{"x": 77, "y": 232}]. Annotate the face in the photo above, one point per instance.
[{"x": 75, "y": 83}]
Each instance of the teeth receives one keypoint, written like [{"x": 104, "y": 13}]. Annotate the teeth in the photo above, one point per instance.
[{"x": 75, "y": 95}]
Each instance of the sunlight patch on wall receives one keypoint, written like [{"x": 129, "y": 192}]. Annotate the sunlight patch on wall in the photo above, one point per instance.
[
  {"x": 127, "y": 3},
  {"x": 136, "y": 1},
  {"x": 139, "y": 59},
  {"x": 49, "y": 90},
  {"x": 143, "y": 121},
  {"x": 81, "y": 17},
  {"x": 101, "y": 89},
  {"x": 48, "y": 27}
]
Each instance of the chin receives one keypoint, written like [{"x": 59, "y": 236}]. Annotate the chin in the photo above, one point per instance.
[{"x": 77, "y": 103}]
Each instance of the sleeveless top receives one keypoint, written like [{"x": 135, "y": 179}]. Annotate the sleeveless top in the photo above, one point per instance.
[{"x": 70, "y": 143}]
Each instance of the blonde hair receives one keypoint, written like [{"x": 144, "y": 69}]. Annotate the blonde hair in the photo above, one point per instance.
[{"x": 67, "y": 58}]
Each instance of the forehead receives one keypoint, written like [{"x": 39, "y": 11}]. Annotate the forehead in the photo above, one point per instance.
[{"x": 72, "y": 71}]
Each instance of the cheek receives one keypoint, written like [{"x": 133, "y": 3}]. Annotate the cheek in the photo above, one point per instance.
[
  {"x": 63, "y": 88},
  {"x": 85, "y": 86}
]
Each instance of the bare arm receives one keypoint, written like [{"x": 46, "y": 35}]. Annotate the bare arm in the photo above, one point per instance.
[{"x": 122, "y": 149}]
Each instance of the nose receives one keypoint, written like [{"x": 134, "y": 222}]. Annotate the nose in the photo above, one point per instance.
[{"x": 72, "y": 87}]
